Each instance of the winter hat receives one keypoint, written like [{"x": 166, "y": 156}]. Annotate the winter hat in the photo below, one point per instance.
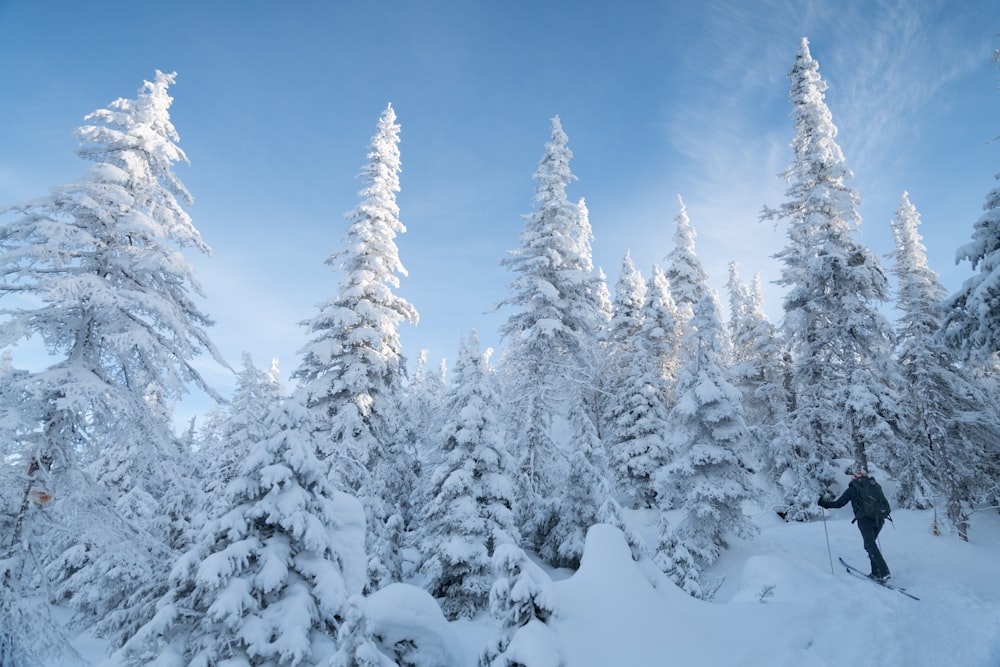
[{"x": 860, "y": 472}]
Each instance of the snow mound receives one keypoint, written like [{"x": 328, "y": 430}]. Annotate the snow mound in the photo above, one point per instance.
[
  {"x": 409, "y": 626},
  {"x": 610, "y": 592},
  {"x": 767, "y": 578}
]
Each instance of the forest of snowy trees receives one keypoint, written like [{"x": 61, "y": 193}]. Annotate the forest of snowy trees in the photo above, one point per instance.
[{"x": 252, "y": 537}]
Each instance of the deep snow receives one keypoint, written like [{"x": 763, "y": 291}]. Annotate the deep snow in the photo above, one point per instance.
[{"x": 781, "y": 603}]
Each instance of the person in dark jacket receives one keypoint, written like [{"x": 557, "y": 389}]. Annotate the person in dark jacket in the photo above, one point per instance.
[{"x": 869, "y": 527}]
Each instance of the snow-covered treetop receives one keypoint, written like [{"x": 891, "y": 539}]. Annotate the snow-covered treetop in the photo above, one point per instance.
[
  {"x": 137, "y": 137},
  {"x": 355, "y": 351},
  {"x": 818, "y": 194},
  {"x": 688, "y": 279}
]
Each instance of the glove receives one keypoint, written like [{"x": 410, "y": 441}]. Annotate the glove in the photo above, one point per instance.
[{"x": 825, "y": 504}]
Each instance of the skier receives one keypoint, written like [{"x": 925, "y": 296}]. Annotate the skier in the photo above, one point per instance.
[{"x": 868, "y": 525}]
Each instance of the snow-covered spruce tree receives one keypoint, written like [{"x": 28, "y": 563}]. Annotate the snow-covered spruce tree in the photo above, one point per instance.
[
  {"x": 523, "y": 600},
  {"x": 29, "y": 636},
  {"x": 595, "y": 287},
  {"x": 661, "y": 331},
  {"x": 685, "y": 274},
  {"x": 582, "y": 490},
  {"x": 619, "y": 347},
  {"x": 638, "y": 433},
  {"x": 739, "y": 315},
  {"x": 626, "y": 316},
  {"x": 972, "y": 318},
  {"x": 551, "y": 356},
  {"x": 759, "y": 370},
  {"x": 948, "y": 422},
  {"x": 356, "y": 646},
  {"x": 353, "y": 367},
  {"x": 630, "y": 291},
  {"x": 675, "y": 560},
  {"x": 839, "y": 341},
  {"x": 424, "y": 407},
  {"x": 638, "y": 436},
  {"x": 708, "y": 431},
  {"x": 238, "y": 426},
  {"x": 96, "y": 272},
  {"x": 471, "y": 511},
  {"x": 637, "y": 412},
  {"x": 598, "y": 299},
  {"x": 267, "y": 581},
  {"x": 423, "y": 410}
]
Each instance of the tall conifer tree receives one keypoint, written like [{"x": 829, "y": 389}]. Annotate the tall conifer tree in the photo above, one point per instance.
[
  {"x": 551, "y": 361},
  {"x": 353, "y": 367},
  {"x": 972, "y": 321},
  {"x": 709, "y": 431},
  {"x": 268, "y": 580},
  {"x": 685, "y": 274},
  {"x": 947, "y": 421},
  {"x": 471, "y": 510},
  {"x": 111, "y": 296},
  {"x": 836, "y": 334}
]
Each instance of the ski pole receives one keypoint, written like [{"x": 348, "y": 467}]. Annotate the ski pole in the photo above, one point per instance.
[{"x": 827, "y": 533}]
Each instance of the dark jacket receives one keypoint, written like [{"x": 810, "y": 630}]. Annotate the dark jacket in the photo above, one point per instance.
[{"x": 850, "y": 494}]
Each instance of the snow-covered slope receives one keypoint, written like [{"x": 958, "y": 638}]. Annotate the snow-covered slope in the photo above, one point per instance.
[{"x": 781, "y": 603}]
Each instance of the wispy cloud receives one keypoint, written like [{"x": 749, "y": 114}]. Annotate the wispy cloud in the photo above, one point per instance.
[
  {"x": 886, "y": 61},
  {"x": 890, "y": 61}
]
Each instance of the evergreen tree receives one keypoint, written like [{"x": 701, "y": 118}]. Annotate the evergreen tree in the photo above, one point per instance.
[
  {"x": 29, "y": 635},
  {"x": 626, "y": 316},
  {"x": 685, "y": 274},
  {"x": 675, "y": 560},
  {"x": 759, "y": 370},
  {"x": 709, "y": 430},
  {"x": 594, "y": 284},
  {"x": 647, "y": 364},
  {"x": 268, "y": 581},
  {"x": 239, "y": 426},
  {"x": 430, "y": 388},
  {"x": 637, "y": 413},
  {"x": 739, "y": 315},
  {"x": 471, "y": 512},
  {"x": 662, "y": 330},
  {"x": 111, "y": 298},
  {"x": 598, "y": 300},
  {"x": 579, "y": 497},
  {"x": 972, "y": 320},
  {"x": 104, "y": 256},
  {"x": 353, "y": 368},
  {"x": 947, "y": 419},
  {"x": 619, "y": 346},
  {"x": 523, "y": 600},
  {"x": 425, "y": 406},
  {"x": 552, "y": 354},
  {"x": 838, "y": 339},
  {"x": 356, "y": 642}
]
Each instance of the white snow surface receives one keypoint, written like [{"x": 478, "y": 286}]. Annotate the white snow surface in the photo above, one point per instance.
[
  {"x": 781, "y": 604},
  {"x": 406, "y": 615}
]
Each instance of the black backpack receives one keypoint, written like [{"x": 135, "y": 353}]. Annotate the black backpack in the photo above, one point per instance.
[{"x": 871, "y": 500}]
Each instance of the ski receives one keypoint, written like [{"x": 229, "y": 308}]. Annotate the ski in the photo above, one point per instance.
[{"x": 884, "y": 584}]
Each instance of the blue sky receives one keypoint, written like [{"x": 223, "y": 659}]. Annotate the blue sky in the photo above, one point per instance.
[{"x": 275, "y": 104}]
